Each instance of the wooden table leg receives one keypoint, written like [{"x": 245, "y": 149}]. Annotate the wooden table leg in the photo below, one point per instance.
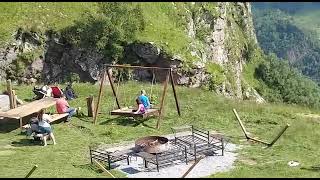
[{"x": 21, "y": 123}]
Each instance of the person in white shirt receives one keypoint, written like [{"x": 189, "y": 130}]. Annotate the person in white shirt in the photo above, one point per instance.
[
  {"x": 47, "y": 90},
  {"x": 45, "y": 127}
]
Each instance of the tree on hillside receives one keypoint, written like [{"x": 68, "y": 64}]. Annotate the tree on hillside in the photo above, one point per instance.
[{"x": 109, "y": 30}]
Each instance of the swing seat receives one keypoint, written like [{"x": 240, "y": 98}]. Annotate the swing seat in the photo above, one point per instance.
[{"x": 128, "y": 112}]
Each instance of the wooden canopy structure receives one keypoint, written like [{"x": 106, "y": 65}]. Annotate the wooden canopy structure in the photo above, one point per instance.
[{"x": 127, "y": 111}]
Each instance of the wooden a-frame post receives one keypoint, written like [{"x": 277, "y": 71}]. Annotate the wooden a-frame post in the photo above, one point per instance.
[
  {"x": 99, "y": 96},
  {"x": 162, "y": 99}
]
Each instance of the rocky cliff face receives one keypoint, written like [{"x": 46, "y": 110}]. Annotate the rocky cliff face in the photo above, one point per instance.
[{"x": 219, "y": 36}]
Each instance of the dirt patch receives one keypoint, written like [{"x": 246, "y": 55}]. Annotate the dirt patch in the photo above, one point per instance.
[
  {"x": 248, "y": 161},
  {"x": 314, "y": 117}
]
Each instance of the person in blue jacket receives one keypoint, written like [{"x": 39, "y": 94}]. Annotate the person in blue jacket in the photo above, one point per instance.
[{"x": 144, "y": 100}]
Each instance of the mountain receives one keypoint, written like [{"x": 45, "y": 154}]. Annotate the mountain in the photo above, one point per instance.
[
  {"x": 291, "y": 31},
  {"x": 213, "y": 43}
]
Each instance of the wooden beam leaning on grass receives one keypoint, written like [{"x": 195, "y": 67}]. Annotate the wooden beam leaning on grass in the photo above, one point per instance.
[
  {"x": 102, "y": 168},
  {"x": 257, "y": 140},
  {"x": 31, "y": 171}
]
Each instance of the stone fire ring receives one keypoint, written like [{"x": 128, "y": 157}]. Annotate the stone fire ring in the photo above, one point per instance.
[{"x": 152, "y": 144}]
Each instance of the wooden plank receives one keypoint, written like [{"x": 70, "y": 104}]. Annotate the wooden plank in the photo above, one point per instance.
[
  {"x": 242, "y": 126},
  {"x": 174, "y": 93},
  {"x": 257, "y": 140},
  {"x": 32, "y": 170},
  {"x": 278, "y": 136},
  {"x": 56, "y": 117},
  {"x": 104, "y": 169},
  {"x": 99, "y": 97},
  {"x": 139, "y": 67},
  {"x": 193, "y": 165},
  {"x": 162, "y": 99}
]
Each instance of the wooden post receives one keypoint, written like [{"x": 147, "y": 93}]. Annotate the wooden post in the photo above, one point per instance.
[
  {"x": 104, "y": 169},
  {"x": 13, "y": 93},
  {"x": 112, "y": 87},
  {"x": 162, "y": 99},
  {"x": 90, "y": 106},
  {"x": 32, "y": 170},
  {"x": 9, "y": 90},
  {"x": 174, "y": 93},
  {"x": 242, "y": 127},
  {"x": 99, "y": 97},
  {"x": 275, "y": 139}
]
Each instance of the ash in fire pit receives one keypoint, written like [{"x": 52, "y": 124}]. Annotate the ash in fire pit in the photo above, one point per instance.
[{"x": 152, "y": 144}]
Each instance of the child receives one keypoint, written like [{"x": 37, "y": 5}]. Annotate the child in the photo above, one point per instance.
[
  {"x": 70, "y": 94},
  {"x": 141, "y": 108},
  {"x": 44, "y": 127},
  {"x": 144, "y": 99}
]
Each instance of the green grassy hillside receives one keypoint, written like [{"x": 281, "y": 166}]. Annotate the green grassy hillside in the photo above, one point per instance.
[
  {"x": 70, "y": 157},
  {"x": 39, "y": 16},
  {"x": 161, "y": 26}
]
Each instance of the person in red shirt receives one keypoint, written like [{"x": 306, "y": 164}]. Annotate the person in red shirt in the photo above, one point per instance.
[
  {"x": 56, "y": 91},
  {"x": 62, "y": 106}
]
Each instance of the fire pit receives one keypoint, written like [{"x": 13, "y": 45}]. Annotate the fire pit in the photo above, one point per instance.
[{"x": 152, "y": 144}]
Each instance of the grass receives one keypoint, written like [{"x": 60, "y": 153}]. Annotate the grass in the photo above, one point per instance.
[
  {"x": 70, "y": 157},
  {"x": 163, "y": 30},
  {"x": 39, "y": 16}
]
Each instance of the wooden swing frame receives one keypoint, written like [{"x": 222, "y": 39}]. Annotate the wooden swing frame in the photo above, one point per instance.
[{"x": 159, "y": 112}]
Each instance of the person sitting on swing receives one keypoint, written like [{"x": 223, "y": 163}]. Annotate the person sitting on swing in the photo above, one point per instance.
[
  {"x": 141, "y": 109},
  {"x": 144, "y": 100}
]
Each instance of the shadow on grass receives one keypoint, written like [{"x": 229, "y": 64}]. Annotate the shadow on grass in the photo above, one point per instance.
[
  {"x": 83, "y": 129},
  {"x": 88, "y": 167},
  {"x": 127, "y": 121},
  {"x": 7, "y": 125},
  {"x": 25, "y": 142},
  {"x": 312, "y": 168}
]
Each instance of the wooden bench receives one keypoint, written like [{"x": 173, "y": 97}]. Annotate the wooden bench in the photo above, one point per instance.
[{"x": 55, "y": 118}]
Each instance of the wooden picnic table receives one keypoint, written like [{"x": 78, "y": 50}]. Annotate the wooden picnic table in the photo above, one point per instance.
[{"x": 28, "y": 109}]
